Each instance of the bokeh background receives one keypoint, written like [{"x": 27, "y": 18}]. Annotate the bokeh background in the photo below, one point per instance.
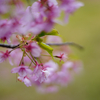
[{"x": 83, "y": 28}]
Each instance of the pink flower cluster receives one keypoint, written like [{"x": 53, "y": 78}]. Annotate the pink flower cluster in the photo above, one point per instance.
[{"x": 27, "y": 29}]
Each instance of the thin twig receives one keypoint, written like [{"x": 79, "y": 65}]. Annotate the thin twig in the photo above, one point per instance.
[{"x": 65, "y": 43}]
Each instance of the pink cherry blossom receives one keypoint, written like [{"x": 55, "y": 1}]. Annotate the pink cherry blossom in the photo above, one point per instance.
[
  {"x": 32, "y": 20},
  {"x": 4, "y": 7},
  {"x": 43, "y": 72},
  {"x": 68, "y": 65},
  {"x": 62, "y": 56},
  {"x": 49, "y": 68},
  {"x": 70, "y": 6},
  {"x": 63, "y": 78},
  {"x": 4, "y": 55},
  {"x": 26, "y": 80},
  {"x": 5, "y": 29},
  {"x": 40, "y": 76},
  {"x": 16, "y": 57},
  {"x": 22, "y": 70},
  {"x": 34, "y": 49}
]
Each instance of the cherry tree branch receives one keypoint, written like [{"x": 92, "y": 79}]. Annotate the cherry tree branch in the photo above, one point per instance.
[
  {"x": 8, "y": 46},
  {"x": 51, "y": 44},
  {"x": 65, "y": 43}
]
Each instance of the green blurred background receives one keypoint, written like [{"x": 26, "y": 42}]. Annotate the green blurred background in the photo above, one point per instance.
[{"x": 84, "y": 29}]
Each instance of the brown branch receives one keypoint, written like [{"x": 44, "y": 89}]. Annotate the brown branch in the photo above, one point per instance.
[
  {"x": 51, "y": 44},
  {"x": 8, "y": 46}
]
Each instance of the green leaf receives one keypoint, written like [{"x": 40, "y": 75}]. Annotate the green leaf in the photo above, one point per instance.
[
  {"x": 38, "y": 39},
  {"x": 46, "y": 47},
  {"x": 43, "y": 33},
  {"x": 53, "y": 32}
]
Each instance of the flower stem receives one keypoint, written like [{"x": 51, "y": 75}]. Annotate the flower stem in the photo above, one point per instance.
[
  {"x": 30, "y": 58},
  {"x": 22, "y": 58}
]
